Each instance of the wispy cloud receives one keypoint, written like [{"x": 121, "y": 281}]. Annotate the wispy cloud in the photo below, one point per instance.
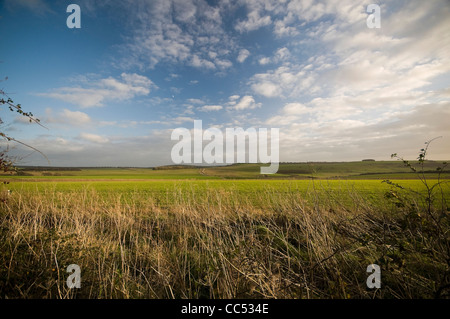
[
  {"x": 94, "y": 138},
  {"x": 39, "y": 7},
  {"x": 84, "y": 150},
  {"x": 196, "y": 101},
  {"x": 97, "y": 93},
  {"x": 67, "y": 117},
  {"x": 208, "y": 108}
]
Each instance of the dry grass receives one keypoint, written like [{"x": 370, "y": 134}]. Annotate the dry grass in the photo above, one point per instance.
[{"x": 217, "y": 245}]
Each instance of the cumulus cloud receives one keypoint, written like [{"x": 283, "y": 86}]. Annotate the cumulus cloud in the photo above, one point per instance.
[
  {"x": 253, "y": 22},
  {"x": 188, "y": 32},
  {"x": 264, "y": 60},
  {"x": 372, "y": 92},
  {"x": 201, "y": 63},
  {"x": 398, "y": 60},
  {"x": 243, "y": 55},
  {"x": 246, "y": 102},
  {"x": 281, "y": 55},
  {"x": 266, "y": 87},
  {"x": 286, "y": 81}
]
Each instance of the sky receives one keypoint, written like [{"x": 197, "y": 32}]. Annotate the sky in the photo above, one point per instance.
[{"x": 111, "y": 92}]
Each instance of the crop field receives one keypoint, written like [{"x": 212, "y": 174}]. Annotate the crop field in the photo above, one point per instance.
[
  {"x": 168, "y": 192},
  {"x": 224, "y": 157},
  {"x": 201, "y": 232}
]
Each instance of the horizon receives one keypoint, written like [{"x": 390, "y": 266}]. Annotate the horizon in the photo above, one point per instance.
[
  {"x": 112, "y": 91},
  {"x": 224, "y": 165}
]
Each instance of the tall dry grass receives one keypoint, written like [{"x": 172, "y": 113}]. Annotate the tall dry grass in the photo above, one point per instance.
[{"x": 215, "y": 244}]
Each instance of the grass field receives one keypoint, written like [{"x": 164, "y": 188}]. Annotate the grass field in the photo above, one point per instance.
[
  {"x": 225, "y": 232},
  {"x": 324, "y": 170}
]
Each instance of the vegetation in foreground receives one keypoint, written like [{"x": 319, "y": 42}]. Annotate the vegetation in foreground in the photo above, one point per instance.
[
  {"x": 228, "y": 242},
  {"x": 216, "y": 243}
]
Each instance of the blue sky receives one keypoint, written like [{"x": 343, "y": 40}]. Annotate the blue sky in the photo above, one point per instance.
[{"x": 111, "y": 92}]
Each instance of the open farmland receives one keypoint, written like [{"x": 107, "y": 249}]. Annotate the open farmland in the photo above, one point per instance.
[
  {"x": 323, "y": 170},
  {"x": 224, "y": 157},
  {"x": 200, "y": 233}
]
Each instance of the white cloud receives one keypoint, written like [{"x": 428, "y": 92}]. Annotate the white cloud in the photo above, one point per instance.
[
  {"x": 101, "y": 91},
  {"x": 208, "y": 108},
  {"x": 281, "y": 55},
  {"x": 284, "y": 81},
  {"x": 296, "y": 109},
  {"x": 201, "y": 63},
  {"x": 254, "y": 21},
  {"x": 243, "y": 55},
  {"x": 267, "y": 88},
  {"x": 170, "y": 120},
  {"x": 223, "y": 63},
  {"x": 189, "y": 110},
  {"x": 108, "y": 123},
  {"x": 379, "y": 91},
  {"x": 133, "y": 151},
  {"x": 396, "y": 60},
  {"x": 67, "y": 117},
  {"x": 264, "y": 60},
  {"x": 82, "y": 97},
  {"x": 281, "y": 28},
  {"x": 177, "y": 31},
  {"x": 94, "y": 138},
  {"x": 195, "y": 101},
  {"x": 305, "y": 138},
  {"x": 339, "y": 90},
  {"x": 246, "y": 102},
  {"x": 76, "y": 117},
  {"x": 184, "y": 10}
]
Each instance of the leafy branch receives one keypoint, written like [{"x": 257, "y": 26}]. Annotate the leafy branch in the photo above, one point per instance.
[
  {"x": 421, "y": 174},
  {"x": 6, "y": 163}
]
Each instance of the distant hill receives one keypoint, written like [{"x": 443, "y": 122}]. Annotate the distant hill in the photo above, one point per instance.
[{"x": 365, "y": 169}]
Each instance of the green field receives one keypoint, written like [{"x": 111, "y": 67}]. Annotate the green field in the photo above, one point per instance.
[
  {"x": 322, "y": 170},
  {"x": 243, "y": 180},
  {"x": 168, "y": 191},
  {"x": 309, "y": 231}
]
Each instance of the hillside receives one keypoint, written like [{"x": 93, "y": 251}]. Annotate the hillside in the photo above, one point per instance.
[{"x": 320, "y": 170}]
